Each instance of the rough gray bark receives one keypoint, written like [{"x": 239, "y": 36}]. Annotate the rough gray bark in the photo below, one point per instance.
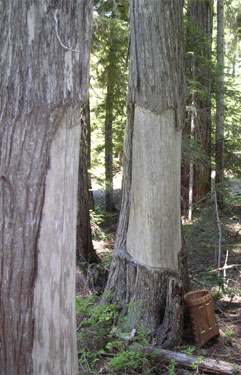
[
  {"x": 43, "y": 85},
  {"x": 219, "y": 158},
  {"x": 148, "y": 256}
]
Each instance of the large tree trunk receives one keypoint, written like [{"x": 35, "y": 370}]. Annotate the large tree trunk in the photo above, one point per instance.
[
  {"x": 43, "y": 85},
  {"x": 220, "y": 102},
  {"x": 199, "y": 42},
  {"x": 149, "y": 260}
]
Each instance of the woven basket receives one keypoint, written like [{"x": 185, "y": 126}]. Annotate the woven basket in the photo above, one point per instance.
[{"x": 203, "y": 319}]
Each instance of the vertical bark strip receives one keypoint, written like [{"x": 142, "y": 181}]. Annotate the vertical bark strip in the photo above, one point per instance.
[
  {"x": 42, "y": 88},
  {"x": 148, "y": 255}
]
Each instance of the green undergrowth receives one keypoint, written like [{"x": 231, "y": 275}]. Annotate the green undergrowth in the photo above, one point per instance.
[
  {"x": 104, "y": 344},
  {"x": 107, "y": 344},
  {"x": 101, "y": 221}
]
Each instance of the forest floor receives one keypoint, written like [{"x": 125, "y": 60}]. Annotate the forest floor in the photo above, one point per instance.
[{"x": 201, "y": 237}]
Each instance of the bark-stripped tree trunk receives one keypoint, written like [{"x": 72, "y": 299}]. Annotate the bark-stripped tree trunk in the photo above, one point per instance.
[
  {"x": 149, "y": 261},
  {"x": 220, "y": 102},
  {"x": 43, "y": 85},
  {"x": 199, "y": 42}
]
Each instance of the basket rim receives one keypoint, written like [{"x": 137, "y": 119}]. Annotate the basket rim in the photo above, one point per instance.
[{"x": 199, "y": 300}]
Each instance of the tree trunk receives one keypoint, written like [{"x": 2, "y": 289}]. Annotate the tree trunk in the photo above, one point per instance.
[
  {"x": 85, "y": 250},
  {"x": 43, "y": 85},
  {"x": 109, "y": 202},
  {"x": 199, "y": 42},
  {"x": 149, "y": 259},
  {"x": 191, "y": 166},
  {"x": 220, "y": 102},
  {"x": 88, "y": 141},
  {"x": 109, "y": 198}
]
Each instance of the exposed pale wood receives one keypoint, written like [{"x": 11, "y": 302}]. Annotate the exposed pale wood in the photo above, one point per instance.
[
  {"x": 155, "y": 190},
  {"x": 54, "y": 311},
  {"x": 206, "y": 365}
]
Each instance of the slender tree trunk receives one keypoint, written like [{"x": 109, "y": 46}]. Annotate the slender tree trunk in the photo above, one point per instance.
[
  {"x": 202, "y": 13},
  {"x": 149, "y": 259},
  {"x": 220, "y": 102},
  {"x": 85, "y": 250},
  {"x": 109, "y": 198},
  {"x": 191, "y": 166},
  {"x": 43, "y": 85},
  {"x": 199, "y": 42},
  {"x": 88, "y": 140},
  {"x": 109, "y": 202}
]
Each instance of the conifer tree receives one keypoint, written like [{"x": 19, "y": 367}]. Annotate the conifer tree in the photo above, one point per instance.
[
  {"x": 109, "y": 51},
  {"x": 196, "y": 171},
  {"x": 220, "y": 101}
]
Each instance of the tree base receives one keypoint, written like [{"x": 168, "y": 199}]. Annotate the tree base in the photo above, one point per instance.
[{"x": 150, "y": 297}]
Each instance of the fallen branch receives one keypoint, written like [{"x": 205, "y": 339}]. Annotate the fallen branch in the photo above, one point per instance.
[
  {"x": 225, "y": 267},
  {"x": 207, "y": 365}
]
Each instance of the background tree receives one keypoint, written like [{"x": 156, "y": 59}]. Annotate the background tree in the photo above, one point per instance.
[
  {"x": 44, "y": 82},
  {"x": 109, "y": 82},
  {"x": 84, "y": 246},
  {"x": 196, "y": 172},
  {"x": 232, "y": 22},
  {"x": 148, "y": 258},
  {"x": 220, "y": 101}
]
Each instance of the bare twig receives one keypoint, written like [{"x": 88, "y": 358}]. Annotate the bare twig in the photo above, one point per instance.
[
  {"x": 58, "y": 37},
  {"x": 220, "y": 232},
  {"x": 225, "y": 267}
]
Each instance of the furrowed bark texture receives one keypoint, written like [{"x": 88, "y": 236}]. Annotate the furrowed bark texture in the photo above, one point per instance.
[
  {"x": 145, "y": 270},
  {"x": 43, "y": 86}
]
